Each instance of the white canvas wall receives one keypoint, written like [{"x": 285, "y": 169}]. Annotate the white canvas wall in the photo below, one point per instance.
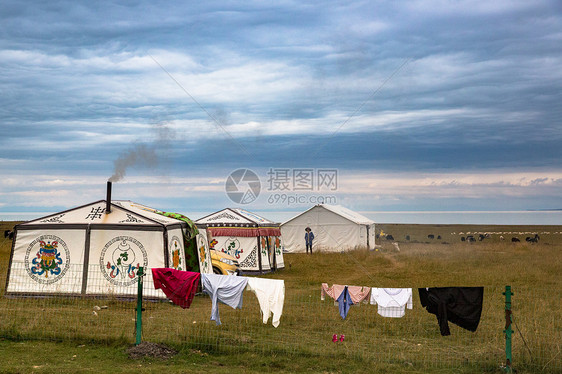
[
  {"x": 332, "y": 232},
  {"x": 372, "y": 236}
]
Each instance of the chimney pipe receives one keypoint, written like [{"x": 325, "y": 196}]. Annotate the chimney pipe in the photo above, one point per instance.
[{"x": 108, "y": 199}]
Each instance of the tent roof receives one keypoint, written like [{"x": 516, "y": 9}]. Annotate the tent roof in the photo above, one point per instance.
[
  {"x": 122, "y": 212},
  {"x": 234, "y": 216},
  {"x": 341, "y": 211}
]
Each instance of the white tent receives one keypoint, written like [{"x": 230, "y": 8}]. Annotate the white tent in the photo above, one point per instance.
[
  {"x": 335, "y": 229},
  {"x": 250, "y": 238},
  {"x": 97, "y": 249}
]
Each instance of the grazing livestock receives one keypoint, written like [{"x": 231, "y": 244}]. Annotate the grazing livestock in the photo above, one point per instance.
[
  {"x": 483, "y": 236},
  {"x": 534, "y": 239},
  {"x": 501, "y": 238},
  {"x": 470, "y": 239},
  {"x": 439, "y": 237},
  {"x": 462, "y": 239},
  {"x": 430, "y": 236},
  {"x": 408, "y": 237},
  {"x": 389, "y": 237},
  {"x": 515, "y": 240}
]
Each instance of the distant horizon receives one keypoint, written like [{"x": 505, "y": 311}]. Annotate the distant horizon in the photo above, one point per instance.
[{"x": 526, "y": 217}]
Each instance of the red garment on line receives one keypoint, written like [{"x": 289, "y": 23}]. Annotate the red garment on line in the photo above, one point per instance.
[{"x": 179, "y": 286}]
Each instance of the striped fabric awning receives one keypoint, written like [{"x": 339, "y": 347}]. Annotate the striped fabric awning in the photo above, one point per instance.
[{"x": 244, "y": 231}]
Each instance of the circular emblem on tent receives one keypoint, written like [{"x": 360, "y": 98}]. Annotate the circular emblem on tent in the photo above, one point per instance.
[
  {"x": 243, "y": 186},
  {"x": 232, "y": 247},
  {"x": 175, "y": 248},
  {"x": 120, "y": 260},
  {"x": 47, "y": 259}
]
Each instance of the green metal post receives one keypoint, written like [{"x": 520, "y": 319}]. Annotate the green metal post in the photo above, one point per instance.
[
  {"x": 138, "y": 326},
  {"x": 508, "y": 331}
]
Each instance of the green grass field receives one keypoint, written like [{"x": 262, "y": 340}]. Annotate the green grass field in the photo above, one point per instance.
[{"x": 62, "y": 335}]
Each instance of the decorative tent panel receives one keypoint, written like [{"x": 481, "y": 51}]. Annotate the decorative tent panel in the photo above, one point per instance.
[
  {"x": 205, "y": 263},
  {"x": 244, "y": 249},
  {"x": 279, "y": 253},
  {"x": 270, "y": 231},
  {"x": 252, "y": 216},
  {"x": 176, "y": 250},
  {"x": 145, "y": 211},
  {"x": 47, "y": 261},
  {"x": 115, "y": 257},
  {"x": 266, "y": 251},
  {"x": 240, "y": 233},
  {"x": 122, "y": 212},
  {"x": 244, "y": 231},
  {"x": 93, "y": 214},
  {"x": 234, "y": 231},
  {"x": 225, "y": 216},
  {"x": 277, "y": 249}
]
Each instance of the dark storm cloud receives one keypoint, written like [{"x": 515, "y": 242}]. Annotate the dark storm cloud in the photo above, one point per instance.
[{"x": 292, "y": 83}]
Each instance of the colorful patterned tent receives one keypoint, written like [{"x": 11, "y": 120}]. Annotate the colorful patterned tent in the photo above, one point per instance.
[
  {"x": 252, "y": 239},
  {"x": 88, "y": 251}
]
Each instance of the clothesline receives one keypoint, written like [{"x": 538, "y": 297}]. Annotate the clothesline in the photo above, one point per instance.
[
  {"x": 180, "y": 287},
  {"x": 391, "y": 301},
  {"x": 459, "y": 305}
]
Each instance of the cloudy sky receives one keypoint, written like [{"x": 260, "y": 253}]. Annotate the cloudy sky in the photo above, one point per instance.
[{"x": 417, "y": 105}]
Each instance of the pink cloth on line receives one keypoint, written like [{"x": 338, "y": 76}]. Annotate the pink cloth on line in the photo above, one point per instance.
[
  {"x": 334, "y": 292},
  {"x": 179, "y": 286},
  {"x": 358, "y": 293}
]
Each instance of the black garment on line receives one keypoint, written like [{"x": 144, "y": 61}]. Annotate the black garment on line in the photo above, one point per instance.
[{"x": 459, "y": 305}]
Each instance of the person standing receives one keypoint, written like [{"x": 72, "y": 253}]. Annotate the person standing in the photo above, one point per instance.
[{"x": 308, "y": 237}]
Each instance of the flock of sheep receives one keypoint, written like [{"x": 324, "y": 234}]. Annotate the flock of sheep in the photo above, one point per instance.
[{"x": 531, "y": 237}]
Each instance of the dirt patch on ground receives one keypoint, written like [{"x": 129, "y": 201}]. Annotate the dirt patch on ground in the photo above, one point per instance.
[{"x": 146, "y": 349}]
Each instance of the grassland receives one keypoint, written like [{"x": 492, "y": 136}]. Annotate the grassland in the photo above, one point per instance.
[{"x": 61, "y": 335}]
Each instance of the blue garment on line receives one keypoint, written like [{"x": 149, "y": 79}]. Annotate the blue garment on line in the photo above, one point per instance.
[{"x": 344, "y": 302}]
